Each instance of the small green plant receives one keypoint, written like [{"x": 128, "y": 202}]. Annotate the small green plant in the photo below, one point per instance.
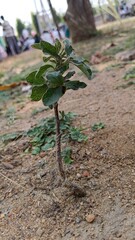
[
  {"x": 124, "y": 86},
  {"x": 51, "y": 81},
  {"x": 43, "y": 135},
  {"x": 97, "y": 126},
  {"x": 130, "y": 74}
]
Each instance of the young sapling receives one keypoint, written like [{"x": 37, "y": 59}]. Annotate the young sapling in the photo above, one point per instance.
[{"x": 51, "y": 81}]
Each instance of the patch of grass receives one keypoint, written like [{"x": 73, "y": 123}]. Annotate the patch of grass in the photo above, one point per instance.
[
  {"x": 115, "y": 66},
  {"x": 125, "y": 44},
  {"x": 130, "y": 74},
  {"x": 124, "y": 86},
  {"x": 11, "y": 115},
  {"x": 114, "y": 50},
  {"x": 9, "y": 112}
]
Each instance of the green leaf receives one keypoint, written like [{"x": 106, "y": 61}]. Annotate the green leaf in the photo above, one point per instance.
[
  {"x": 42, "y": 70},
  {"x": 37, "y": 46},
  {"x": 46, "y": 59},
  {"x": 30, "y": 78},
  {"x": 36, "y": 150},
  {"x": 82, "y": 65},
  {"x": 68, "y": 160},
  {"x": 66, "y": 154},
  {"x": 68, "y": 47},
  {"x": 55, "y": 79},
  {"x": 11, "y": 136},
  {"x": 49, "y": 48},
  {"x": 58, "y": 45},
  {"x": 64, "y": 68},
  {"x": 34, "y": 79},
  {"x": 47, "y": 146},
  {"x": 74, "y": 85},
  {"x": 52, "y": 96},
  {"x": 38, "y": 92},
  {"x": 69, "y": 75},
  {"x": 76, "y": 59},
  {"x": 85, "y": 68},
  {"x": 97, "y": 126},
  {"x": 76, "y": 135}
]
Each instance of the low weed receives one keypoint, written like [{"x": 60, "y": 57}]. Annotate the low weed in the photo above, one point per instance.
[
  {"x": 43, "y": 135},
  {"x": 124, "y": 86},
  {"x": 130, "y": 74},
  {"x": 97, "y": 126}
]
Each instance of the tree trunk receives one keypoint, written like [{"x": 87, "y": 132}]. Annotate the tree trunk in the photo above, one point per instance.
[{"x": 80, "y": 20}]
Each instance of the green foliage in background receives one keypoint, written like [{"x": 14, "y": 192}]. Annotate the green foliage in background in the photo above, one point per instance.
[{"x": 19, "y": 26}]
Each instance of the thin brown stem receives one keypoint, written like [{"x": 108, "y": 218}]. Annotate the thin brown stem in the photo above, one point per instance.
[{"x": 58, "y": 142}]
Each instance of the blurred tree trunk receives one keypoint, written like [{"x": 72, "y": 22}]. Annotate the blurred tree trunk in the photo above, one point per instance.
[{"x": 80, "y": 20}]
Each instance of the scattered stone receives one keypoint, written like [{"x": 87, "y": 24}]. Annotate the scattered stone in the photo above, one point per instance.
[
  {"x": 41, "y": 163},
  {"x": 78, "y": 220},
  {"x": 78, "y": 175},
  {"x": 2, "y": 215},
  {"x": 43, "y": 220},
  {"x": 7, "y": 165},
  {"x": 85, "y": 174},
  {"x": 82, "y": 166},
  {"x": 118, "y": 234},
  {"x": 90, "y": 218},
  {"x": 42, "y": 154},
  {"x": 41, "y": 174}
]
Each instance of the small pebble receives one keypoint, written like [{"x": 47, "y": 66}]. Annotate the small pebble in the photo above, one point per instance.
[{"x": 90, "y": 218}]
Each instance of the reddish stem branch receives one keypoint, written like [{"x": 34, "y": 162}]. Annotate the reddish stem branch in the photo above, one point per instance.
[{"x": 58, "y": 142}]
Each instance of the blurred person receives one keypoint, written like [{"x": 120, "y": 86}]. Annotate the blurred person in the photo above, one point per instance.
[
  {"x": 3, "y": 53},
  {"x": 47, "y": 36},
  {"x": 35, "y": 36},
  {"x": 27, "y": 44},
  {"x": 10, "y": 38},
  {"x": 25, "y": 34},
  {"x": 56, "y": 34},
  {"x": 27, "y": 40}
]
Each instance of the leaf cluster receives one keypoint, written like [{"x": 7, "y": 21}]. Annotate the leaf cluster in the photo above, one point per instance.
[
  {"x": 51, "y": 81},
  {"x": 43, "y": 135}
]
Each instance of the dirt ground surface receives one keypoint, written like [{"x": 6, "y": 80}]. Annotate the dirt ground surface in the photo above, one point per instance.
[{"x": 34, "y": 205}]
